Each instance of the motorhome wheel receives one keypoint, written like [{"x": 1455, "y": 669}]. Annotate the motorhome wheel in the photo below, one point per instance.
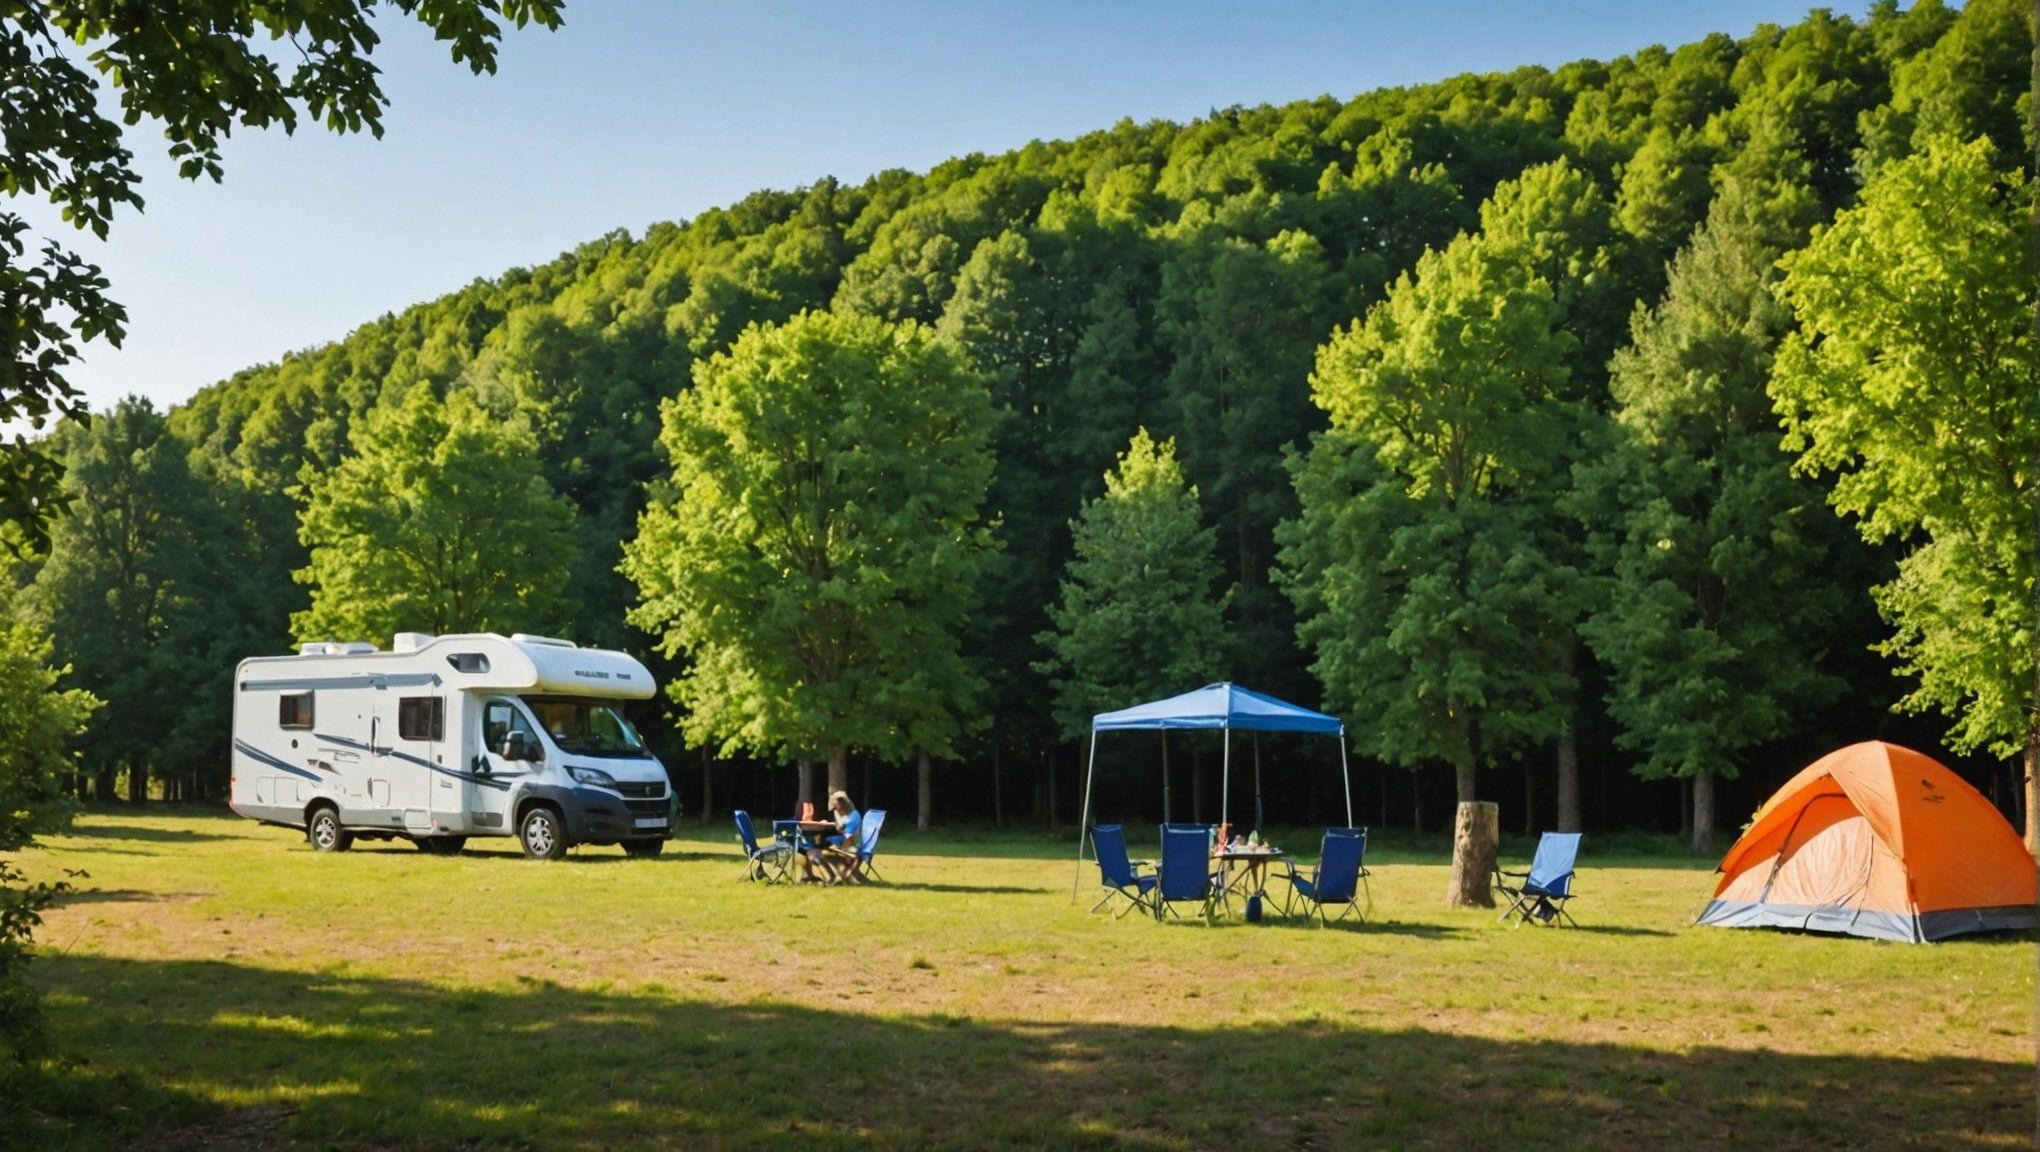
[
  {"x": 325, "y": 832},
  {"x": 542, "y": 835}
]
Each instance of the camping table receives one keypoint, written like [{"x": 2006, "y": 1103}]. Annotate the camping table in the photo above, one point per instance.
[
  {"x": 1245, "y": 871},
  {"x": 805, "y": 834}
]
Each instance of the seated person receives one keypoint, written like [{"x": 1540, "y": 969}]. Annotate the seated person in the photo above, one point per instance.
[{"x": 836, "y": 852}]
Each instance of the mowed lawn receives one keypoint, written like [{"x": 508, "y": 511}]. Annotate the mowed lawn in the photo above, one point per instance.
[{"x": 229, "y": 988}]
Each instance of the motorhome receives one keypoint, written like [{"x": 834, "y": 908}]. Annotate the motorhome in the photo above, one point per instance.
[{"x": 447, "y": 737}]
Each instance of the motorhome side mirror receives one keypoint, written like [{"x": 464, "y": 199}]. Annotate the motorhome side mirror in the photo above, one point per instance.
[{"x": 519, "y": 746}]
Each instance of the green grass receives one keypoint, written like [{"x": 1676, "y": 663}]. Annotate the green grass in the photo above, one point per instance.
[{"x": 216, "y": 984}]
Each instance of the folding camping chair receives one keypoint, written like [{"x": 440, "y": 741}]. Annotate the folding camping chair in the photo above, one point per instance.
[
  {"x": 761, "y": 862},
  {"x": 1541, "y": 893},
  {"x": 868, "y": 826},
  {"x": 1118, "y": 875},
  {"x": 1337, "y": 881},
  {"x": 1186, "y": 870}
]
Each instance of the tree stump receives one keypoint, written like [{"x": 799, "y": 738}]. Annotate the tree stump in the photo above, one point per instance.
[{"x": 1474, "y": 839}]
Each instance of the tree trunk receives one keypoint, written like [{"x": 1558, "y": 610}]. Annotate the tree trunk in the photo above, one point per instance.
[
  {"x": 1462, "y": 777},
  {"x": 1569, "y": 751},
  {"x": 707, "y": 786},
  {"x": 1474, "y": 839},
  {"x": 1048, "y": 770},
  {"x": 103, "y": 789},
  {"x": 1166, "y": 817},
  {"x": 2033, "y": 791},
  {"x": 839, "y": 768},
  {"x": 138, "y": 783},
  {"x": 804, "y": 784},
  {"x": 925, "y": 795},
  {"x": 998, "y": 785},
  {"x": 1702, "y": 843}
]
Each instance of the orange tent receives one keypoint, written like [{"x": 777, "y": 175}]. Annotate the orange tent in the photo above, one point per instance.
[{"x": 1881, "y": 841}]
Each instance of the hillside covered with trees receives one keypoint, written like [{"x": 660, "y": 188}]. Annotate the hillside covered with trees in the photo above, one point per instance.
[{"x": 1543, "y": 425}]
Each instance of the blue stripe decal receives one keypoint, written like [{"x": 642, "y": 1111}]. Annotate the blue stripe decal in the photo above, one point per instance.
[
  {"x": 261, "y": 757},
  {"x": 485, "y": 781}
]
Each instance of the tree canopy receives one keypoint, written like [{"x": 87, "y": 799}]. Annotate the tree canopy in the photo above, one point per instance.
[{"x": 814, "y": 553}]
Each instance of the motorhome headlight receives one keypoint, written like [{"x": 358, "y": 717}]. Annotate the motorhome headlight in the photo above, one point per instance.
[{"x": 595, "y": 776}]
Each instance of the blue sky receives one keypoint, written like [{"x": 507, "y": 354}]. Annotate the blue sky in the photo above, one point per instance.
[{"x": 645, "y": 110}]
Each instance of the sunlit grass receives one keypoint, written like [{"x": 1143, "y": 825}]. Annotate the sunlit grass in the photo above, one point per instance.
[{"x": 243, "y": 988}]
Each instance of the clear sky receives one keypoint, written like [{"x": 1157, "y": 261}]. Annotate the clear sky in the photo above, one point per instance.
[{"x": 645, "y": 110}]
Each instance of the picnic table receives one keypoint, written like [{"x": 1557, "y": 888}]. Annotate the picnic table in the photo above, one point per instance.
[{"x": 1243, "y": 870}]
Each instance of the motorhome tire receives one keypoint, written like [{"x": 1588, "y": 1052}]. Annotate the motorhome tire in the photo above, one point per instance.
[
  {"x": 324, "y": 831},
  {"x": 443, "y": 845},
  {"x": 643, "y": 849},
  {"x": 542, "y": 834}
]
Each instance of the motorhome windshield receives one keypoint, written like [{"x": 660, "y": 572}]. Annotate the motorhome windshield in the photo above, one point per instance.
[{"x": 585, "y": 727}]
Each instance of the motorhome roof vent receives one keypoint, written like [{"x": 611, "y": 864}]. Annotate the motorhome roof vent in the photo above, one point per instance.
[
  {"x": 410, "y": 641},
  {"x": 335, "y": 648},
  {"x": 528, "y": 638}
]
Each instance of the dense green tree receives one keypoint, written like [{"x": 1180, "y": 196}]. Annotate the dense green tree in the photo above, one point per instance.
[
  {"x": 39, "y": 727},
  {"x": 1140, "y": 615},
  {"x": 1722, "y": 598},
  {"x": 199, "y": 72},
  {"x": 126, "y": 591},
  {"x": 814, "y": 552},
  {"x": 439, "y": 522},
  {"x": 1912, "y": 378},
  {"x": 1416, "y": 562}
]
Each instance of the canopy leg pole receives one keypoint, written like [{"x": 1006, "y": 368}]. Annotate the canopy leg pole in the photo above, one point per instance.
[
  {"x": 1258, "y": 821},
  {"x": 1346, "y": 774},
  {"x": 1084, "y": 821},
  {"x": 1224, "y": 774},
  {"x": 1166, "y": 817}
]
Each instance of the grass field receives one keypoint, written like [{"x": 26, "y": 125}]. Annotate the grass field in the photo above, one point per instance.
[{"x": 225, "y": 987}]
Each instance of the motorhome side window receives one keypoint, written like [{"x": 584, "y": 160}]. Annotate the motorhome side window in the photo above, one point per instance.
[
  {"x": 421, "y": 718},
  {"x": 294, "y": 710},
  {"x": 499, "y": 719}
]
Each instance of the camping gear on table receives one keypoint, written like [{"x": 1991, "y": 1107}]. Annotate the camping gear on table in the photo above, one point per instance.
[
  {"x": 1542, "y": 892},
  {"x": 1880, "y": 841}
]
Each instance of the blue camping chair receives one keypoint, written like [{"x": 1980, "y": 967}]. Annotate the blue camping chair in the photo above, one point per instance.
[
  {"x": 1337, "y": 881},
  {"x": 1186, "y": 870},
  {"x": 868, "y": 826},
  {"x": 1541, "y": 893},
  {"x": 1117, "y": 874},
  {"x": 767, "y": 862}
]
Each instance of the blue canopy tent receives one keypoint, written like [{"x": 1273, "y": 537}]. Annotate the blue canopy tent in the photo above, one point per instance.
[{"x": 1224, "y": 706}]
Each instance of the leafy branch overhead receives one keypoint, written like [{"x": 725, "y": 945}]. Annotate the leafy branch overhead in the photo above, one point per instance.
[{"x": 195, "y": 71}]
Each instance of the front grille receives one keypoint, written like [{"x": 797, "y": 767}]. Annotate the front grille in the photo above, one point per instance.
[
  {"x": 653, "y": 791},
  {"x": 646, "y": 807}
]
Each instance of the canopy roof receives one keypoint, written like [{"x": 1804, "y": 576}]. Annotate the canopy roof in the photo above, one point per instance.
[{"x": 1223, "y": 705}]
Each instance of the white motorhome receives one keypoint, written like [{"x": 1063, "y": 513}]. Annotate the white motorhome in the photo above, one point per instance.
[{"x": 446, "y": 737}]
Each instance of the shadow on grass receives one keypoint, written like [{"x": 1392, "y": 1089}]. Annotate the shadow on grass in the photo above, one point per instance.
[
  {"x": 99, "y": 829},
  {"x": 348, "y": 1062}
]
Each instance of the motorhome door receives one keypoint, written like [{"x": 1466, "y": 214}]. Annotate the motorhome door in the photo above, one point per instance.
[
  {"x": 499, "y": 717},
  {"x": 413, "y": 725}
]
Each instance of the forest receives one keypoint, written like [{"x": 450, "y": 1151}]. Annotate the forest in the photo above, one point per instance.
[{"x": 1608, "y": 441}]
